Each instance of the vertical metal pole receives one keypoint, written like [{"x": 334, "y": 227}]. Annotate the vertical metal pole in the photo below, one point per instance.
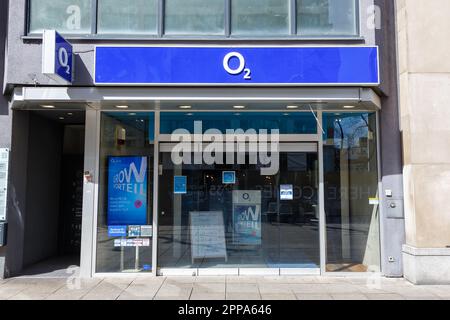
[
  {"x": 155, "y": 195},
  {"x": 293, "y": 17},
  {"x": 227, "y": 14},
  {"x": 160, "y": 16},
  {"x": 381, "y": 196},
  {"x": 136, "y": 261},
  {"x": 94, "y": 17},
  {"x": 322, "y": 222},
  {"x": 122, "y": 257},
  {"x": 90, "y": 194}
]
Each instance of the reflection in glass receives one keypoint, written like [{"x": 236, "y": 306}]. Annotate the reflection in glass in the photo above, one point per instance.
[
  {"x": 127, "y": 17},
  {"x": 125, "y": 196},
  {"x": 194, "y": 17},
  {"x": 351, "y": 192},
  {"x": 260, "y": 17},
  {"x": 65, "y": 16},
  {"x": 326, "y": 17}
]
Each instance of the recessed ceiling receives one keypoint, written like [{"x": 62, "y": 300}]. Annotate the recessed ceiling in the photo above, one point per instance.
[{"x": 64, "y": 117}]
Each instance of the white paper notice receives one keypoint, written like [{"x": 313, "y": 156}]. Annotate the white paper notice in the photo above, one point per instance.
[
  {"x": 4, "y": 157},
  {"x": 207, "y": 235}
]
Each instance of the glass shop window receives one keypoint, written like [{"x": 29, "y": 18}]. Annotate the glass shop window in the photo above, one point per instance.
[
  {"x": 125, "y": 212},
  {"x": 185, "y": 18},
  {"x": 66, "y": 16},
  {"x": 260, "y": 17},
  {"x": 352, "y": 197},
  {"x": 127, "y": 17}
]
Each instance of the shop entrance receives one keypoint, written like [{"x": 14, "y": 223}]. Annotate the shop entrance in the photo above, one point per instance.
[
  {"x": 54, "y": 164},
  {"x": 232, "y": 219}
]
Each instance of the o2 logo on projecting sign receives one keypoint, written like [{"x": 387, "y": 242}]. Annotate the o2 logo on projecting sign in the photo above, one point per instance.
[
  {"x": 63, "y": 59},
  {"x": 57, "y": 57},
  {"x": 234, "y": 71}
]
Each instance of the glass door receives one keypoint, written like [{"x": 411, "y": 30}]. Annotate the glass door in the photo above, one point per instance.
[{"x": 233, "y": 217}]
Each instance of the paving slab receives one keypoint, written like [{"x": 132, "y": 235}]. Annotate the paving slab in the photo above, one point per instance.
[
  {"x": 238, "y": 296},
  {"x": 196, "y": 295},
  {"x": 278, "y": 296},
  {"x": 384, "y": 296},
  {"x": 309, "y": 288},
  {"x": 313, "y": 297},
  {"x": 440, "y": 291},
  {"x": 226, "y": 287},
  {"x": 274, "y": 288},
  {"x": 108, "y": 289},
  {"x": 242, "y": 279},
  {"x": 349, "y": 296},
  {"x": 172, "y": 291},
  {"x": 209, "y": 287},
  {"x": 242, "y": 288}
]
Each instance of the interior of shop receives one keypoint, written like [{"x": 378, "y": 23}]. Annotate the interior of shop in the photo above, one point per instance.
[{"x": 51, "y": 153}]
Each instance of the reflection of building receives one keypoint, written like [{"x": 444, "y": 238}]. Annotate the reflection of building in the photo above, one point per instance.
[{"x": 315, "y": 13}]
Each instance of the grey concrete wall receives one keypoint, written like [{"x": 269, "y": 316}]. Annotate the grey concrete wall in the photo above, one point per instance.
[
  {"x": 43, "y": 189},
  {"x": 34, "y": 191},
  {"x": 392, "y": 219},
  {"x": 17, "y": 203},
  {"x": 5, "y": 119},
  {"x": 3, "y": 32}
]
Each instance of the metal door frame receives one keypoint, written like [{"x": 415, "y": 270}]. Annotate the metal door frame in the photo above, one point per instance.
[{"x": 303, "y": 143}]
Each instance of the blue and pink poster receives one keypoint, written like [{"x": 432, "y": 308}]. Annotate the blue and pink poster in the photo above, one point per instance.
[{"x": 127, "y": 191}]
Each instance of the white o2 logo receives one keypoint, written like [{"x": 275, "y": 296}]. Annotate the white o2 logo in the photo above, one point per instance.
[
  {"x": 241, "y": 68},
  {"x": 63, "y": 58}
]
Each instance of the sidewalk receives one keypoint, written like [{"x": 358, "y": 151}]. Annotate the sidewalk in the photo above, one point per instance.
[{"x": 229, "y": 288}]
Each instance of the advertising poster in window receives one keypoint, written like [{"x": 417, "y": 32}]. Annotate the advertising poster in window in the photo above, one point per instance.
[
  {"x": 127, "y": 191},
  {"x": 247, "y": 217}
]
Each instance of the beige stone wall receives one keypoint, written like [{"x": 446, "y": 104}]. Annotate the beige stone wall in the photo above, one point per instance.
[{"x": 424, "y": 66}]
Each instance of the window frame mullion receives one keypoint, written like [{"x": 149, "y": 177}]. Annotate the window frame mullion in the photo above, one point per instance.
[
  {"x": 94, "y": 17},
  {"x": 227, "y": 13},
  {"x": 293, "y": 17},
  {"x": 161, "y": 19}
]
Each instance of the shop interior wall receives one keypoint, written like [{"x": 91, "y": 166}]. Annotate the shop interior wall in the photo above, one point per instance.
[
  {"x": 34, "y": 197},
  {"x": 43, "y": 187}
]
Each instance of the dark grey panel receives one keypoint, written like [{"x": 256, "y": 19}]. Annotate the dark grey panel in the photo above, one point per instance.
[{"x": 392, "y": 224}]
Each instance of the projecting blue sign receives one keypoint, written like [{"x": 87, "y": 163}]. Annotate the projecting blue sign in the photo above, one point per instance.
[
  {"x": 127, "y": 191},
  {"x": 318, "y": 66},
  {"x": 57, "y": 57}
]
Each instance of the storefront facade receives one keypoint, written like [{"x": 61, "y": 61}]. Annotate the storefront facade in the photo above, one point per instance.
[{"x": 214, "y": 143}]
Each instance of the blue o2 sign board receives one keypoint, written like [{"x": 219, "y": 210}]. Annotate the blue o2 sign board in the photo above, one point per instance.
[
  {"x": 57, "y": 57},
  {"x": 314, "y": 66},
  {"x": 127, "y": 191}
]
